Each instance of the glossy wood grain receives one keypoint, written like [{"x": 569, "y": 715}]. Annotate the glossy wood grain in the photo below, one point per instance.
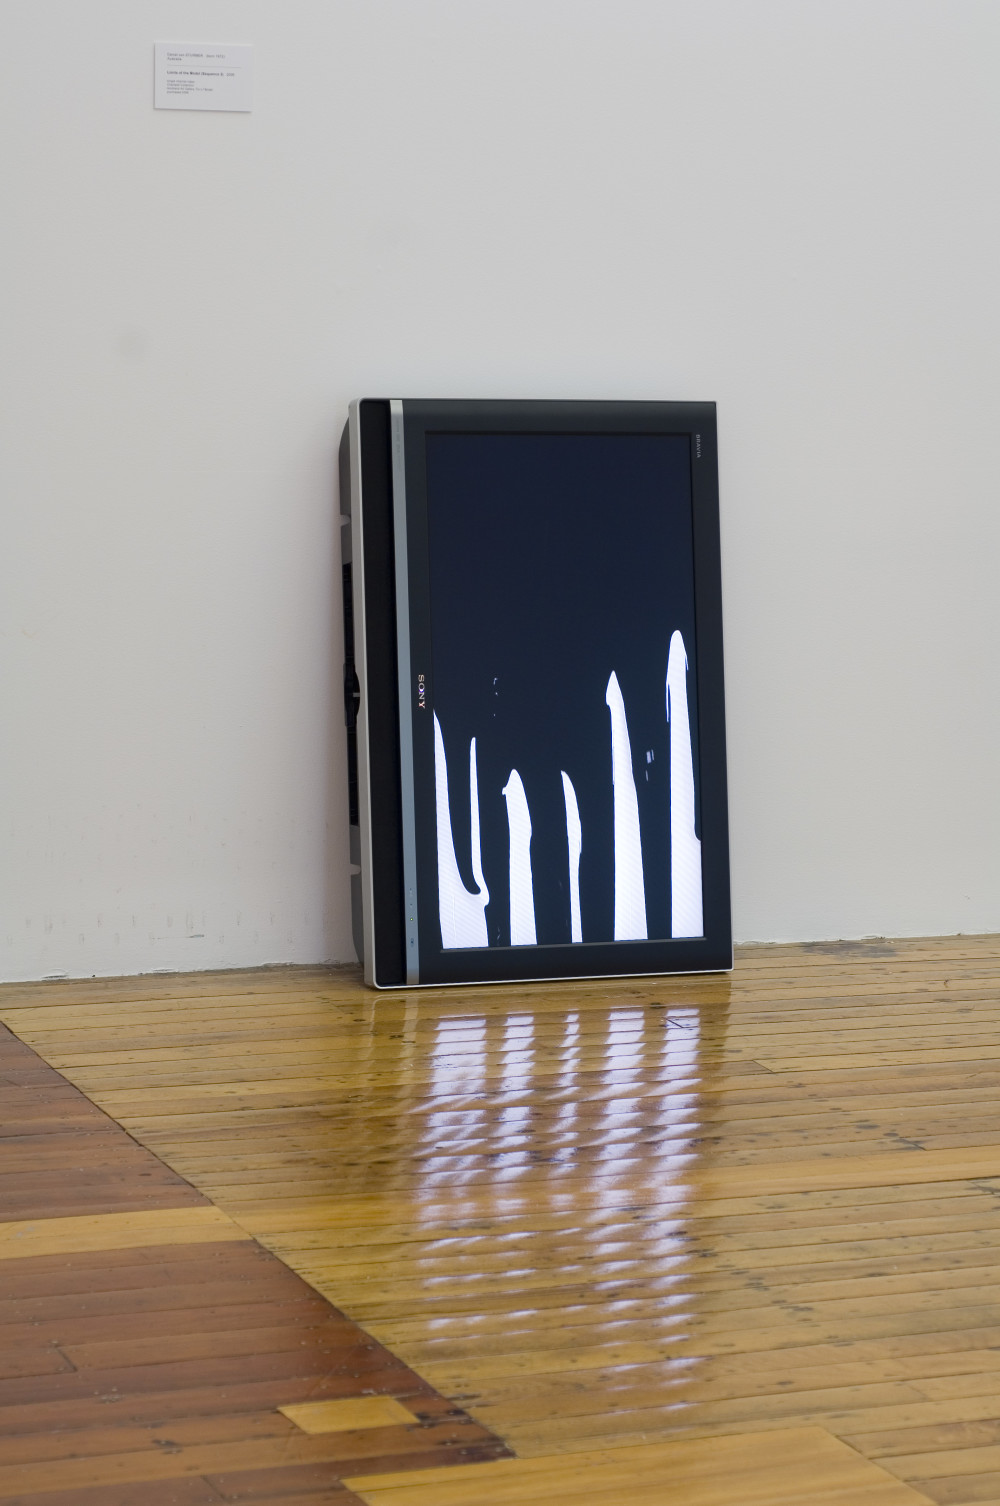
[{"x": 613, "y": 1215}]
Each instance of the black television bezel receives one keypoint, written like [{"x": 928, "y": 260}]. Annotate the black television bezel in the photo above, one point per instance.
[{"x": 382, "y": 642}]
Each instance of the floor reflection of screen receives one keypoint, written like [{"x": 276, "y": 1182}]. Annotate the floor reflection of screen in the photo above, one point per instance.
[{"x": 565, "y": 745}]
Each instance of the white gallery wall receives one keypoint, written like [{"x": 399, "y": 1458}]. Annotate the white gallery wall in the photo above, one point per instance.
[{"x": 789, "y": 206}]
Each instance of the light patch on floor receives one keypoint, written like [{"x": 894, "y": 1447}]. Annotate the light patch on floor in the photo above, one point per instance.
[
  {"x": 345, "y": 1415},
  {"x": 785, "y": 1467},
  {"x": 116, "y": 1231}
]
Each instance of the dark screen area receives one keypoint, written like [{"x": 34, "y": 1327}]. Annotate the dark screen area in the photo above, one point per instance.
[{"x": 556, "y": 560}]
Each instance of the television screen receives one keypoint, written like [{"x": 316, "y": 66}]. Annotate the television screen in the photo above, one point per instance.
[{"x": 552, "y": 665}]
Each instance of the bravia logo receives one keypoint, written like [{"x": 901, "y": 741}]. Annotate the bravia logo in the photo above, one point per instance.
[{"x": 421, "y": 693}]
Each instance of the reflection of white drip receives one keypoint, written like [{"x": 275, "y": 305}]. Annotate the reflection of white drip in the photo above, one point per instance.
[
  {"x": 574, "y": 841},
  {"x": 463, "y": 915},
  {"x": 630, "y": 893},
  {"x": 685, "y": 848},
  {"x": 522, "y": 896}
]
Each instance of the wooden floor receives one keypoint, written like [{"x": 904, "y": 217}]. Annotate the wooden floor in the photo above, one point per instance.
[{"x": 708, "y": 1240}]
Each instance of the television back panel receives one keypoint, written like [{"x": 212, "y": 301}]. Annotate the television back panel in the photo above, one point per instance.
[{"x": 534, "y": 690}]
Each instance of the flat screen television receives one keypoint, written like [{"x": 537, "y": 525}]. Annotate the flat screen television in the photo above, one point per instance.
[{"x": 533, "y": 690}]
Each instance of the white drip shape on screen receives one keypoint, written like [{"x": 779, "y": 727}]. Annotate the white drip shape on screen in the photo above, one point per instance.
[
  {"x": 477, "y": 851},
  {"x": 630, "y": 892},
  {"x": 522, "y": 894},
  {"x": 462, "y": 915},
  {"x": 685, "y": 847},
  {"x": 574, "y": 843}
]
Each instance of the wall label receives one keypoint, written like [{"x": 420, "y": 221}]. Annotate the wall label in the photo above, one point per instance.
[{"x": 203, "y": 76}]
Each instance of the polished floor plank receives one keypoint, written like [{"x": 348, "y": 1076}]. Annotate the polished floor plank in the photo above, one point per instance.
[
  {"x": 965, "y": 1385},
  {"x": 324, "y": 1458},
  {"x": 23, "y": 1238},
  {"x": 796, "y": 1467},
  {"x": 781, "y": 1025},
  {"x": 733, "y": 1223},
  {"x": 317, "y": 1041},
  {"x": 184, "y": 1492}
]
